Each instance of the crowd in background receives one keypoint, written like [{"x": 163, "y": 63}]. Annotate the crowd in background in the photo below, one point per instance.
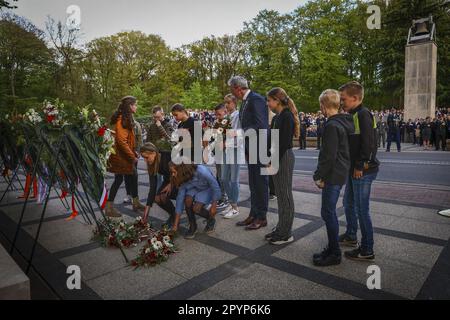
[{"x": 392, "y": 127}]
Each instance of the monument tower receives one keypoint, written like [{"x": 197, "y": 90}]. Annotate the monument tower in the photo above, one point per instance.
[{"x": 420, "y": 70}]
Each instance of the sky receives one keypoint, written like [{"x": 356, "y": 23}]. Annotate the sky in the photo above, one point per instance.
[{"x": 178, "y": 22}]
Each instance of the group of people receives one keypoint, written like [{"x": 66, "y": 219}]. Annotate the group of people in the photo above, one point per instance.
[
  {"x": 347, "y": 157},
  {"x": 428, "y": 132}
]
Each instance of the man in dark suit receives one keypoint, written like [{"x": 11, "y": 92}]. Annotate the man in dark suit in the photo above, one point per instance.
[{"x": 253, "y": 114}]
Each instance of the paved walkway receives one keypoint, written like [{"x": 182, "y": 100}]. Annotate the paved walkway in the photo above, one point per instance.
[{"x": 411, "y": 243}]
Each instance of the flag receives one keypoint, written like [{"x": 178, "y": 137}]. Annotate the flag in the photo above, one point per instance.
[{"x": 104, "y": 197}]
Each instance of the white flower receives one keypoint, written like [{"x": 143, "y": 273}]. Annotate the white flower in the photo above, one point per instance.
[
  {"x": 167, "y": 242},
  {"x": 224, "y": 122},
  {"x": 139, "y": 219},
  {"x": 158, "y": 245},
  {"x": 220, "y": 130},
  {"x": 148, "y": 250},
  {"x": 122, "y": 224}
]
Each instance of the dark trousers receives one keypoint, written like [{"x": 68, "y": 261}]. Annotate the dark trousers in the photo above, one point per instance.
[
  {"x": 381, "y": 139},
  {"x": 393, "y": 136},
  {"x": 319, "y": 140},
  {"x": 285, "y": 199},
  {"x": 259, "y": 192},
  {"x": 302, "y": 141},
  {"x": 271, "y": 186},
  {"x": 118, "y": 179},
  {"x": 441, "y": 140},
  {"x": 167, "y": 205},
  {"x": 330, "y": 197}
]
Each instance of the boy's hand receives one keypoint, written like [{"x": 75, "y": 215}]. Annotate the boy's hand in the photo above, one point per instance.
[
  {"x": 357, "y": 174},
  {"x": 320, "y": 184}
]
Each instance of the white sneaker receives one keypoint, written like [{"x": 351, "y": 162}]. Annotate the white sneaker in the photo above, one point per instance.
[
  {"x": 231, "y": 214},
  {"x": 127, "y": 200},
  {"x": 226, "y": 210}
]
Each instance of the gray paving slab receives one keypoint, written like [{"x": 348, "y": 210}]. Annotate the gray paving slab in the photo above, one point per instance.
[
  {"x": 259, "y": 282},
  {"x": 129, "y": 284},
  {"x": 404, "y": 264}
]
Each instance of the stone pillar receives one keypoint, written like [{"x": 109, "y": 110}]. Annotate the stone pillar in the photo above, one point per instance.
[{"x": 420, "y": 80}]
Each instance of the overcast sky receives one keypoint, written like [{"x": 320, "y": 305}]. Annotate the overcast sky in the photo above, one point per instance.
[{"x": 176, "y": 21}]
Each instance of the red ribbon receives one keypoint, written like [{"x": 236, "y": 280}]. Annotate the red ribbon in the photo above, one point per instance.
[{"x": 74, "y": 211}]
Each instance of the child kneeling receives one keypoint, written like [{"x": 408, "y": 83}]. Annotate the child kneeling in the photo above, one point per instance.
[
  {"x": 332, "y": 171},
  {"x": 198, "y": 193}
]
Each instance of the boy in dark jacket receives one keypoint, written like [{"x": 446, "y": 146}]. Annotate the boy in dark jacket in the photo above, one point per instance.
[
  {"x": 363, "y": 171},
  {"x": 332, "y": 171}
]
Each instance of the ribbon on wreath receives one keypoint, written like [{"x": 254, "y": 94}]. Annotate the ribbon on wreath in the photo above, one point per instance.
[{"x": 74, "y": 210}]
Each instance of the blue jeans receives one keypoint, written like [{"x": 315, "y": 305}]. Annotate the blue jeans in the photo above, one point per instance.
[
  {"x": 230, "y": 179},
  {"x": 330, "y": 197},
  {"x": 356, "y": 205}
]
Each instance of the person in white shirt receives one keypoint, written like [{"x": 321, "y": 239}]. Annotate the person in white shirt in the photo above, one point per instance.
[{"x": 230, "y": 168}]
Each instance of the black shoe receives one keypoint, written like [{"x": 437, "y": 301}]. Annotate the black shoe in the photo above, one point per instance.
[
  {"x": 347, "y": 241},
  {"x": 325, "y": 252},
  {"x": 190, "y": 234},
  {"x": 328, "y": 259},
  {"x": 278, "y": 240},
  {"x": 269, "y": 236},
  {"x": 210, "y": 226},
  {"x": 360, "y": 255}
]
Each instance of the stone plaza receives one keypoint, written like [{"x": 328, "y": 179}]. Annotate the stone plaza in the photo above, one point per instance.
[{"x": 411, "y": 245}]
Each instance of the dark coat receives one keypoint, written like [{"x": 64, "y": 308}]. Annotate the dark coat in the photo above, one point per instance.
[{"x": 334, "y": 157}]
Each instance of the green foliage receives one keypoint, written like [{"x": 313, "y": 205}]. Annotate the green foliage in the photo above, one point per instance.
[
  {"x": 320, "y": 45},
  {"x": 201, "y": 97}
]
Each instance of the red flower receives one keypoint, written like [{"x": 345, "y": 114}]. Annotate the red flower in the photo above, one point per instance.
[
  {"x": 50, "y": 118},
  {"x": 101, "y": 131}
]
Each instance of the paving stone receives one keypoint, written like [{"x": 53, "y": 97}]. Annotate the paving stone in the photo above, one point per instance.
[
  {"x": 140, "y": 284},
  {"x": 264, "y": 283},
  {"x": 404, "y": 264}
]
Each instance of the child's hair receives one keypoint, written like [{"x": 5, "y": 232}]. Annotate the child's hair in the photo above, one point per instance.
[
  {"x": 156, "y": 109},
  {"x": 152, "y": 169},
  {"x": 231, "y": 97},
  {"x": 178, "y": 107},
  {"x": 219, "y": 107},
  {"x": 124, "y": 110},
  {"x": 281, "y": 95},
  {"x": 353, "y": 88},
  {"x": 185, "y": 173},
  {"x": 330, "y": 99}
]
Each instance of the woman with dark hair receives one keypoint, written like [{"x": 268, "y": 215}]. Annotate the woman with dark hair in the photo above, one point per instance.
[
  {"x": 288, "y": 124},
  {"x": 198, "y": 193},
  {"x": 123, "y": 162},
  {"x": 159, "y": 163}
]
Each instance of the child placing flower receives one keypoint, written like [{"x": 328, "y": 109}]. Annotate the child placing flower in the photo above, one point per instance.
[{"x": 198, "y": 193}]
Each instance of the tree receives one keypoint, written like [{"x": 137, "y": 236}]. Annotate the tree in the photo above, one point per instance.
[
  {"x": 25, "y": 62},
  {"x": 201, "y": 97}
]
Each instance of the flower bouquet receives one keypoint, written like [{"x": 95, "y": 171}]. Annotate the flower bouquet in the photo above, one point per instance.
[
  {"x": 157, "y": 249},
  {"x": 121, "y": 234}
]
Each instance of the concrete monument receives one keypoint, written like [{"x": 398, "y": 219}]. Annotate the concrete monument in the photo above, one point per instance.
[{"x": 420, "y": 70}]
